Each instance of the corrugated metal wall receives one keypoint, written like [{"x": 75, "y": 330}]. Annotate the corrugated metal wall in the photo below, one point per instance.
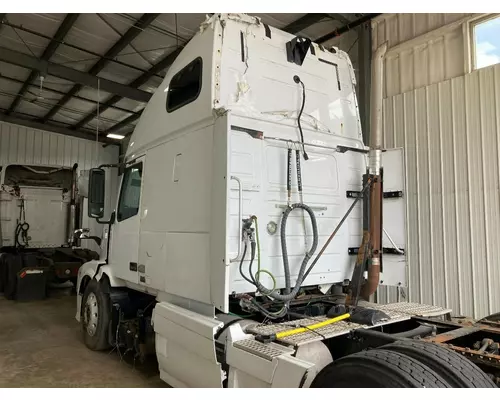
[
  {"x": 23, "y": 145},
  {"x": 449, "y": 130},
  {"x": 422, "y": 49}
]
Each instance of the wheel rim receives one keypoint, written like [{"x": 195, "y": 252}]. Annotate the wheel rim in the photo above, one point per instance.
[{"x": 91, "y": 314}]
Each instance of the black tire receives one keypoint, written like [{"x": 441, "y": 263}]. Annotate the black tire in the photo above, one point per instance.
[
  {"x": 458, "y": 371},
  {"x": 95, "y": 329},
  {"x": 378, "y": 369}
]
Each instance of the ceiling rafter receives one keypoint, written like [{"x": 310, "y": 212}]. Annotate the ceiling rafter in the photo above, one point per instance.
[
  {"x": 96, "y": 56},
  {"x": 339, "y": 17},
  {"x": 351, "y": 25},
  {"x": 47, "y": 126},
  {"x": 123, "y": 42},
  {"x": 59, "y": 92},
  {"x": 304, "y": 22},
  {"x": 73, "y": 75},
  {"x": 160, "y": 66},
  {"x": 49, "y": 51}
]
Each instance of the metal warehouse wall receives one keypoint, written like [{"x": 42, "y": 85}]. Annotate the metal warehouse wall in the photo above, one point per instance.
[
  {"x": 422, "y": 49},
  {"x": 449, "y": 130},
  {"x": 21, "y": 145}
]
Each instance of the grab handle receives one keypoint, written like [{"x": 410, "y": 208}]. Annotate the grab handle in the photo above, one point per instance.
[{"x": 240, "y": 215}]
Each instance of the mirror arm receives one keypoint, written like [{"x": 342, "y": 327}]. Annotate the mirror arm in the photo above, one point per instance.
[
  {"x": 109, "y": 222},
  {"x": 110, "y": 165}
]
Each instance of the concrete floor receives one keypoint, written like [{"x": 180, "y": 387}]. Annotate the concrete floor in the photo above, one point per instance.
[{"x": 41, "y": 346}]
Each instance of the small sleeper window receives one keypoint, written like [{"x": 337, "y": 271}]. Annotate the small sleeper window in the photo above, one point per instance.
[{"x": 185, "y": 86}]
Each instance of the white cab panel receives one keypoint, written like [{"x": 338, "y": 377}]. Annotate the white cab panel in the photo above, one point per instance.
[{"x": 394, "y": 219}]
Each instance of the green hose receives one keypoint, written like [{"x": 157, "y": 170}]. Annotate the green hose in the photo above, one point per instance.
[{"x": 259, "y": 270}]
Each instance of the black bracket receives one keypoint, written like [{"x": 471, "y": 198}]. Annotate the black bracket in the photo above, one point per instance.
[
  {"x": 353, "y": 194},
  {"x": 385, "y": 250},
  {"x": 296, "y": 50},
  {"x": 393, "y": 194},
  {"x": 343, "y": 149}
]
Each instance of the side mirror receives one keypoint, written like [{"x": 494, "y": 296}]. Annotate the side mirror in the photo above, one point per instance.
[{"x": 97, "y": 181}]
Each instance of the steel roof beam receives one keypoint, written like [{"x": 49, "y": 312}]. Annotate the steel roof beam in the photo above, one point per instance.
[
  {"x": 50, "y": 90},
  {"x": 123, "y": 42},
  {"x": 160, "y": 66},
  {"x": 96, "y": 56},
  {"x": 123, "y": 123},
  {"x": 340, "y": 18},
  {"x": 70, "y": 74},
  {"x": 346, "y": 28},
  {"x": 45, "y": 126},
  {"x": 49, "y": 51},
  {"x": 2, "y": 16},
  {"x": 303, "y": 22}
]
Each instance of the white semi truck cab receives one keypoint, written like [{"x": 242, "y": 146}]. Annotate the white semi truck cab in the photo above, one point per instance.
[{"x": 248, "y": 235}]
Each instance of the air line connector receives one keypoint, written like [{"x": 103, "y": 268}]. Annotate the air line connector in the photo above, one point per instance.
[
  {"x": 266, "y": 338},
  {"x": 247, "y": 230}
]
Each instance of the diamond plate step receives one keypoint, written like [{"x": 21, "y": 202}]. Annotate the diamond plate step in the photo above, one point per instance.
[
  {"x": 269, "y": 351},
  {"x": 412, "y": 309},
  {"x": 396, "y": 312}
]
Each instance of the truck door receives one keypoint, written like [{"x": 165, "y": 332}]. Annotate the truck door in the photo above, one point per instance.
[
  {"x": 394, "y": 219},
  {"x": 125, "y": 232}
]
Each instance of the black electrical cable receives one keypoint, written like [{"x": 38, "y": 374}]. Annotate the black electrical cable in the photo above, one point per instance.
[
  {"x": 296, "y": 79},
  {"x": 21, "y": 233},
  {"x": 241, "y": 266},
  {"x": 299, "y": 172}
]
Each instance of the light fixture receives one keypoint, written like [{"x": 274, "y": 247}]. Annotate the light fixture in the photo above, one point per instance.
[{"x": 115, "y": 136}]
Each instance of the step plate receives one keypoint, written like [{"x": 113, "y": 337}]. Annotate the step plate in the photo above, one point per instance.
[
  {"x": 396, "y": 312},
  {"x": 412, "y": 309},
  {"x": 267, "y": 351}
]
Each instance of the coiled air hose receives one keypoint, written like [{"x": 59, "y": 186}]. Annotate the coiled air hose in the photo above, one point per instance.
[{"x": 291, "y": 293}]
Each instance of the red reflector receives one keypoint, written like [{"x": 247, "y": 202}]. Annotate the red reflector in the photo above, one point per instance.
[{"x": 23, "y": 274}]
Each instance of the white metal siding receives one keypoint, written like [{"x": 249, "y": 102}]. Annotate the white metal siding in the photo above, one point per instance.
[
  {"x": 422, "y": 49},
  {"x": 450, "y": 133},
  {"x": 447, "y": 119},
  {"x": 21, "y": 145}
]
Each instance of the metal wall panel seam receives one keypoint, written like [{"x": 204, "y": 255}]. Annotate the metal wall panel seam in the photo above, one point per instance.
[
  {"x": 459, "y": 264},
  {"x": 440, "y": 119},
  {"x": 484, "y": 193},
  {"x": 421, "y": 294},
  {"x": 407, "y": 229},
  {"x": 394, "y": 125},
  {"x": 429, "y": 181},
  {"x": 467, "y": 147}
]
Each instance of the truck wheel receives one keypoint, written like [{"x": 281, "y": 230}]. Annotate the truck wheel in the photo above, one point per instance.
[
  {"x": 95, "y": 317},
  {"x": 378, "y": 369},
  {"x": 458, "y": 371}
]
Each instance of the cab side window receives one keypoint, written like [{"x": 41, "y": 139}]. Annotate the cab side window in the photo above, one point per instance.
[{"x": 130, "y": 195}]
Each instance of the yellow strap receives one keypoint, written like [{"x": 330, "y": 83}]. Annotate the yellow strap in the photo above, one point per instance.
[{"x": 312, "y": 327}]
